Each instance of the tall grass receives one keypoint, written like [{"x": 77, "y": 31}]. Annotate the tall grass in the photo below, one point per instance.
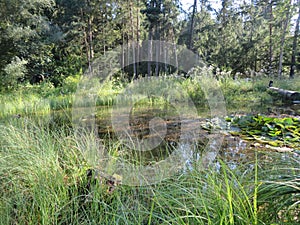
[
  {"x": 45, "y": 176},
  {"x": 280, "y": 191},
  {"x": 238, "y": 94},
  {"x": 19, "y": 104},
  {"x": 44, "y": 180}
]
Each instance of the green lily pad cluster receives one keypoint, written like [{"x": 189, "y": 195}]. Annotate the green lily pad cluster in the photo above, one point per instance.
[{"x": 268, "y": 130}]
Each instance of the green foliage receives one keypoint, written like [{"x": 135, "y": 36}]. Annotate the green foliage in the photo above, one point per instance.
[
  {"x": 46, "y": 179},
  {"x": 280, "y": 191},
  {"x": 13, "y": 72},
  {"x": 60, "y": 38},
  {"x": 269, "y": 130},
  {"x": 20, "y": 103},
  {"x": 25, "y": 34},
  {"x": 32, "y": 180},
  {"x": 43, "y": 171}
]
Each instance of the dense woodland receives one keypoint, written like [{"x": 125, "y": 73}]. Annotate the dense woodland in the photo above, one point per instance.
[
  {"x": 192, "y": 149},
  {"x": 55, "y": 39}
]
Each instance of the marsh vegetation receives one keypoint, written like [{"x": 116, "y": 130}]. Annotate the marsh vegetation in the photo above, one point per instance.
[
  {"x": 46, "y": 178},
  {"x": 149, "y": 112}
]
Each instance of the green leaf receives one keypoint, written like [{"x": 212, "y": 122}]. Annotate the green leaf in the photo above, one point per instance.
[
  {"x": 287, "y": 121},
  {"x": 280, "y": 125},
  {"x": 275, "y": 143}
]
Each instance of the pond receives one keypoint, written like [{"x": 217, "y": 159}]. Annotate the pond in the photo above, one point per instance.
[
  {"x": 158, "y": 136},
  {"x": 164, "y": 117}
]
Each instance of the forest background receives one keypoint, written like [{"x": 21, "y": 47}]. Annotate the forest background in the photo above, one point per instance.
[{"x": 55, "y": 39}]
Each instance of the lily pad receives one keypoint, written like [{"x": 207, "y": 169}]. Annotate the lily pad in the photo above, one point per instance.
[{"x": 276, "y": 132}]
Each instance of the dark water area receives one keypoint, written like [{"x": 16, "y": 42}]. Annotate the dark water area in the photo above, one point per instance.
[{"x": 150, "y": 134}]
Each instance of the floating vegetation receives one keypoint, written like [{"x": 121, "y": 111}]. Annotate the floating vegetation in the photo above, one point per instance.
[{"x": 276, "y": 132}]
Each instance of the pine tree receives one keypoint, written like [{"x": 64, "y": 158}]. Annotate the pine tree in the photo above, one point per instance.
[{"x": 295, "y": 42}]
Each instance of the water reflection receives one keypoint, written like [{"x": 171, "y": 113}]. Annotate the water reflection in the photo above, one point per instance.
[{"x": 198, "y": 145}]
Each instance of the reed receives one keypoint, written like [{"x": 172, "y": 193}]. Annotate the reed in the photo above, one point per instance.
[{"x": 43, "y": 180}]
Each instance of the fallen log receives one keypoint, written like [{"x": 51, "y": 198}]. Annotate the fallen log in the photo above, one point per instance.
[{"x": 286, "y": 94}]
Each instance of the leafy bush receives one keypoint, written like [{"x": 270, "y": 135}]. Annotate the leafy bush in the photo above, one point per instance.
[{"x": 13, "y": 72}]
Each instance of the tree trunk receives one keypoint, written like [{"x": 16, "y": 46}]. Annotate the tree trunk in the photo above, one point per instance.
[
  {"x": 270, "y": 38},
  {"x": 282, "y": 41},
  {"x": 190, "y": 44},
  {"x": 157, "y": 37},
  {"x": 158, "y": 57},
  {"x": 149, "y": 52},
  {"x": 90, "y": 39},
  {"x": 175, "y": 51},
  {"x": 90, "y": 35},
  {"x": 150, "y": 39},
  {"x": 123, "y": 49},
  {"x": 133, "y": 45},
  {"x": 104, "y": 18},
  {"x": 138, "y": 36},
  {"x": 86, "y": 42},
  {"x": 295, "y": 41},
  {"x": 286, "y": 94}
]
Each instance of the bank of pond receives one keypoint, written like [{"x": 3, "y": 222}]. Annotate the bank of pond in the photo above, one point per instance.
[
  {"x": 49, "y": 177},
  {"x": 154, "y": 163}
]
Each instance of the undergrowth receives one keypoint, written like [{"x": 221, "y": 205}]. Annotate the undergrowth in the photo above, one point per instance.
[{"x": 46, "y": 179}]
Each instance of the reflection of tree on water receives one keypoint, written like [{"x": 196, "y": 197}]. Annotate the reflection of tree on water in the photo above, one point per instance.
[
  {"x": 148, "y": 123},
  {"x": 157, "y": 129},
  {"x": 134, "y": 156},
  {"x": 155, "y": 133}
]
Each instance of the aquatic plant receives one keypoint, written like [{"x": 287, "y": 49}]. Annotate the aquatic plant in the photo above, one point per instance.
[{"x": 274, "y": 131}]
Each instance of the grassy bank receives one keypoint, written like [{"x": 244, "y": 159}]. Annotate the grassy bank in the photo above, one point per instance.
[
  {"x": 44, "y": 180},
  {"x": 239, "y": 94}
]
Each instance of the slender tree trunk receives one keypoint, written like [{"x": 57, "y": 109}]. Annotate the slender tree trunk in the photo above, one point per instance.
[
  {"x": 295, "y": 41},
  {"x": 271, "y": 38},
  {"x": 157, "y": 56},
  {"x": 132, "y": 38},
  {"x": 104, "y": 18},
  {"x": 223, "y": 38},
  {"x": 123, "y": 49},
  {"x": 86, "y": 43},
  {"x": 166, "y": 52},
  {"x": 175, "y": 51},
  {"x": 90, "y": 35},
  {"x": 150, "y": 38},
  {"x": 282, "y": 41},
  {"x": 157, "y": 37},
  {"x": 90, "y": 38},
  {"x": 149, "y": 52},
  {"x": 190, "y": 44},
  {"x": 138, "y": 36},
  {"x": 157, "y": 50}
]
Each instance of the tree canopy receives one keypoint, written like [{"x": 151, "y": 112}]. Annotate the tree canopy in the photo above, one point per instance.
[{"x": 54, "y": 39}]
